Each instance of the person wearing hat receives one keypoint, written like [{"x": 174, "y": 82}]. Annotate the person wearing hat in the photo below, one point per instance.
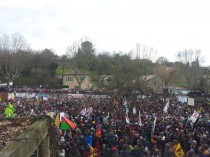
[
  {"x": 115, "y": 152},
  {"x": 136, "y": 152},
  {"x": 125, "y": 152},
  {"x": 74, "y": 151},
  {"x": 168, "y": 152}
]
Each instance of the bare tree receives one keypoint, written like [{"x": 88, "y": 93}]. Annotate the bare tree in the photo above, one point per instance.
[
  {"x": 12, "y": 49},
  {"x": 145, "y": 52},
  {"x": 143, "y": 64},
  {"x": 190, "y": 68},
  {"x": 72, "y": 50},
  {"x": 79, "y": 76}
]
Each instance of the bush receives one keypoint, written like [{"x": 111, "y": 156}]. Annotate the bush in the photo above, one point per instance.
[{"x": 25, "y": 81}]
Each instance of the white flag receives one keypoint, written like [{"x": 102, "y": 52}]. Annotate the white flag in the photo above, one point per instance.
[
  {"x": 127, "y": 119},
  {"x": 62, "y": 114},
  {"x": 134, "y": 110},
  {"x": 83, "y": 112},
  {"x": 194, "y": 116},
  {"x": 154, "y": 123},
  {"x": 89, "y": 110},
  {"x": 166, "y": 107},
  {"x": 125, "y": 103},
  {"x": 32, "y": 111},
  {"x": 139, "y": 120},
  {"x": 126, "y": 110},
  {"x": 106, "y": 118},
  {"x": 45, "y": 98}
]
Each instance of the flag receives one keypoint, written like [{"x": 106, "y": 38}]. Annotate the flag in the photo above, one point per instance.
[
  {"x": 83, "y": 112},
  {"x": 131, "y": 148},
  {"x": 178, "y": 151},
  {"x": 97, "y": 145},
  {"x": 57, "y": 120},
  {"x": 61, "y": 115},
  {"x": 8, "y": 112},
  {"x": 194, "y": 116},
  {"x": 11, "y": 107},
  {"x": 125, "y": 103},
  {"x": 32, "y": 111},
  {"x": 64, "y": 126},
  {"x": 89, "y": 110},
  {"x": 139, "y": 120},
  {"x": 200, "y": 109},
  {"x": 106, "y": 118},
  {"x": 45, "y": 98},
  {"x": 166, "y": 107},
  {"x": 134, "y": 110},
  {"x": 98, "y": 129},
  {"x": 70, "y": 123},
  {"x": 88, "y": 140},
  {"x": 127, "y": 119},
  {"x": 154, "y": 123},
  {"x": 127, "y": 110}
]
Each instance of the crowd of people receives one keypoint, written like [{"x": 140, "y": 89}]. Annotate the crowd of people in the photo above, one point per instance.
[{"x": 129, "y": 127}]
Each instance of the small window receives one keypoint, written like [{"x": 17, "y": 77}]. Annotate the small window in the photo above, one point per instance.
[{"x": 69, "y": 79}]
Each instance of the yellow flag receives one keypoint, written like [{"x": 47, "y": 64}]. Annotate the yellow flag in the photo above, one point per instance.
[
  {"x": 178, "y": 151},
  {"x": 57, "y": 120},
  {"x": 200, "y": 109},
  {"x": 11, "y": 107},
  {"x": 8, "y": 112}
]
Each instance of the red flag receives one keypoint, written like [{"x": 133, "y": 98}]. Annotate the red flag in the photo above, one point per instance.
[
  {"x": 98, "y": 132},
  {"x": 127, "y": 119},
  {"x": 70, "y": 123},
  {"x": 98, "y": 129}
]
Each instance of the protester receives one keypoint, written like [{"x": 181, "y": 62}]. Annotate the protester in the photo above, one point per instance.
[{"x": 111, "y": 127}]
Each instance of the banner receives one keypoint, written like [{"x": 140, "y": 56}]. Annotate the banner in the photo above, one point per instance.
[
  {"x": 25, "y": 95},
  {"x": 11, "y": 96},
  {"x": 182, "y": 99},
  {"x": 194, "y": 116},
  {"x": 190, "y": 101}
]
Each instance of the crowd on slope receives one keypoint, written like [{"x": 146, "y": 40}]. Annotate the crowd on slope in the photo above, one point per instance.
[{"x": 160, "y": 134}]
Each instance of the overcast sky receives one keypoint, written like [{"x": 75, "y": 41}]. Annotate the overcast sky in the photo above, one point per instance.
[{"x": 113, "y": 25}]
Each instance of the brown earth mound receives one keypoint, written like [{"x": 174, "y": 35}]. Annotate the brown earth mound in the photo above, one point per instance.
[{"x": 11, "y": 128}]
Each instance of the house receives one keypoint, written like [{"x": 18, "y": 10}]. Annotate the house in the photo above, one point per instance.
[
  {"x": 73, "y": 79},
  {"x": 107, "y": 80},
  {"x": 155, "y": 83}
]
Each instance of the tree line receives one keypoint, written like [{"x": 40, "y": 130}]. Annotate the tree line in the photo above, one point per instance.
[{"x": 124, "y": 71}]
